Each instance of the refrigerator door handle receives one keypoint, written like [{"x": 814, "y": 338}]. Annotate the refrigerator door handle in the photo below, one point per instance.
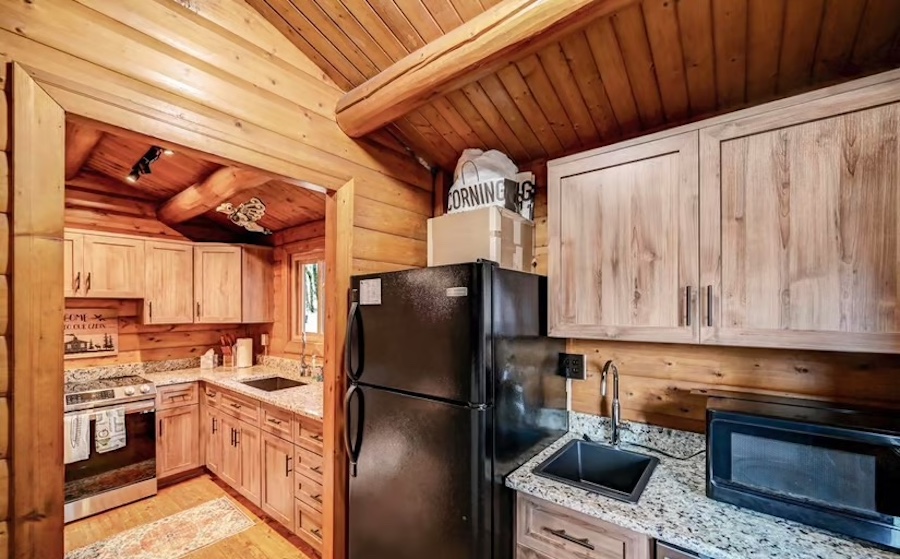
[
  {"x": 353, "y": 345},
  {"x": 353, "y": 449}
]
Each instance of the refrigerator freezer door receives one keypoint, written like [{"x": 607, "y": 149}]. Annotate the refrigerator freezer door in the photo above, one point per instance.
[
  {"x": 424, "y": 332},
  {"x": 421, "y": 489}
]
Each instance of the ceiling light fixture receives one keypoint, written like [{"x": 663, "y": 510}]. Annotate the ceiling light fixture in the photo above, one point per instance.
[{"x": 142, "y": 167}]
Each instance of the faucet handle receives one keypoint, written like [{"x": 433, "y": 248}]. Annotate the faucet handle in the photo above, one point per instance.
[{"x": 603, "y": 385}]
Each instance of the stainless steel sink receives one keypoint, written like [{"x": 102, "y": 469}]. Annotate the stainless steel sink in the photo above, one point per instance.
[
  {"x": 272, "y": 384},
  {"x": 609, "y": 471}
]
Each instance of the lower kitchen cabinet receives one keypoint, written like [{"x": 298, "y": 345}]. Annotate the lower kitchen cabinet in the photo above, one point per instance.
[
  {"x": 308, "y": 524},
  {"x": 177, "y": 440},
  {"x": 241, "y": 463},
  {"x": 212, "y": 439},
  {"x": 278, "y": 479},
  {"x": 230, "y": 466},
  {"x": 548, "y": 531}
]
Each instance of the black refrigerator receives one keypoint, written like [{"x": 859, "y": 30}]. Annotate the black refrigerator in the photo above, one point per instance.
[{"x": 452, "y": 385}]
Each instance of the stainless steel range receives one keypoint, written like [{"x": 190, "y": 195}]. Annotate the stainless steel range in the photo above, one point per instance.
[{"x": 111, "y": 479}]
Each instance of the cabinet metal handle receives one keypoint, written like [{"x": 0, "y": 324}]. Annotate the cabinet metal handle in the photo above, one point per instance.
[
  {"x": 232, "y": 436},
  {"x": 317, "y": 469},
  {"x": 316, "y": 532},
  {"x": 275, "y": 421},
  {"x": 687, "y": 306},
  {"x": 316, "y": 498},
  {"x": 318, "y": 438},
  {"x": 235, "y": 406},
  {"x": 87, "y": 283},
  {"x": 709, "y": 305},
  {"x": 160, "y": 428},
  {"x": 583, "y": 542},
  {"x": 214, "y": 426},
  {"x": 150, "y": 304},
  {"x": 287, "y": 466},
  {"x": 237, "y": 437},
  {"x": 77, "y": 282},
  {"x": 198, "y": 309}
]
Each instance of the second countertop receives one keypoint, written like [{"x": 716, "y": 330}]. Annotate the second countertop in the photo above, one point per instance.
[{"x": 306, "y": 400}]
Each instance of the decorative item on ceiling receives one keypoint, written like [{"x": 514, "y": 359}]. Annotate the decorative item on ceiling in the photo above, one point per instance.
[
  {"x": 142, "y": 167},
  {"x": 246, "y": 215}
]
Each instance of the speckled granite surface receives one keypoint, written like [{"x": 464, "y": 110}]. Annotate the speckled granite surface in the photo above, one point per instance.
[
  {"x": 282, "y": 364},
  {"x": 306, "y": 400},
  {"x": 674, "y": 507},
  {"x": 125, "y": 369}
]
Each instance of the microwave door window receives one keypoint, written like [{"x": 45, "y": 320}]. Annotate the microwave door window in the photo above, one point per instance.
[{"x": 833, "y": 477}]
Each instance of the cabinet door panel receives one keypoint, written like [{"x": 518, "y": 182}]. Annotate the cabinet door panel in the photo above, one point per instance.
[
  {"x": 250, "y": 446},
  {"x": 178, "y": 444},
  {"x": 624, "y": 243},
  {"x": 213, "y": 439},
  {"x": 169, "y": 283},
  {"x": 257, "y": 291},
  {"x": 113, "y": 267},
  {"x": 217, "y": 284},
  {"x": 277, "y": 492},
  {"x": 810, "y": 234},
  {"x": 73, "y": 262},
  {"x": 230, "y": 470}
]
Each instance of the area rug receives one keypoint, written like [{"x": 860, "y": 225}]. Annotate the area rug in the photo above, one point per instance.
[{"x": 173, "y": 536}]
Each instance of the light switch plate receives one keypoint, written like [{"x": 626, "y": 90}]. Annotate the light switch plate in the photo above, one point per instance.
[{"x": 573, "y": 366}]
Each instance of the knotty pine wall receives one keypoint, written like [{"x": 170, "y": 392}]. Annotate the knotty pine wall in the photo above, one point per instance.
[
  {"x": 657, "y": 379},
  {"x": 307, "y": 241}
]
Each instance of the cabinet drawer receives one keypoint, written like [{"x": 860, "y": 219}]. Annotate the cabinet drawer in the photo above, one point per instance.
[
  {"x": 563, "y": 534},
  {"x": 308, "y": 434},
  {"x": 210, "y": 395},
  {"x": 308, "y": 464},
  {"x": 177, "y": 395},
  {"x": 308, "y": 491},
  {"x": 308, "y": 524},
  {"x": 241, "y": 407},
  {"x": 276, "y": 421}
]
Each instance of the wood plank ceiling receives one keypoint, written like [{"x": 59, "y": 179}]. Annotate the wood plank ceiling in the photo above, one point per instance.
[
  {"x": 98, "y": 160},
  {"x": 655, "y": 64}
]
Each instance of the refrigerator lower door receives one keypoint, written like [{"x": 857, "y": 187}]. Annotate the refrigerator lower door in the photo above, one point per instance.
[{"x": 422, "y": 483}]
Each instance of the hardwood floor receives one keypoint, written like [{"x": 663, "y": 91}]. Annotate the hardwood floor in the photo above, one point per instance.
[{"x": 265, "y": 540}]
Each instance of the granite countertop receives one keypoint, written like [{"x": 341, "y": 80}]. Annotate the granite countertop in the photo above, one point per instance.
[
  {"x": 307, "y": 400},
  {"x": 674, "y": 507}
]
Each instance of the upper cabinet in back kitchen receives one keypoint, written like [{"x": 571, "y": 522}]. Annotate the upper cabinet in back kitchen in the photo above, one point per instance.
[
  {"x": 103, "y": 266},
  {"x": 169, "y": 285},
  {"x": 624, "y": 245},
  {"x": 795, "y": 244}
]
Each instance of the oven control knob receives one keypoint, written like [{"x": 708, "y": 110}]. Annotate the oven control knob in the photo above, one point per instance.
[
  {"x": 145, "y": 388},
  {"x": 129, "y": 391}
]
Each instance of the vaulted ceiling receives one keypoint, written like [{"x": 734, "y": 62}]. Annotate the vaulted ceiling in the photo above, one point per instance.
[
  {"x": 100, "y": 157},
  {"x": 653, "y": 64}
]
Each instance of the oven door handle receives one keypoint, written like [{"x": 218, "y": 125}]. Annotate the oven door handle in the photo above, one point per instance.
[{"x": 143, "y": 406}]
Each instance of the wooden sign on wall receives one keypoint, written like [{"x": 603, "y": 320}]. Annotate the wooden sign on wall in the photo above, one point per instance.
[{"x": 91, "y": 333}]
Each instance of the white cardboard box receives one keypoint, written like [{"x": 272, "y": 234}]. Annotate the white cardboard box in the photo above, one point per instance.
[{"x": 492, "y": 233}]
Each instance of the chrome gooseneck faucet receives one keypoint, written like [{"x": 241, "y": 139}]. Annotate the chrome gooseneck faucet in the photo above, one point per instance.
[{"x": 615, "y": 416}]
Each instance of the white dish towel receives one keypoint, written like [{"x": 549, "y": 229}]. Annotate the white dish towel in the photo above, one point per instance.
[
  {"x": 110, "y": 430},
  {"x": 78, "y": 447}
]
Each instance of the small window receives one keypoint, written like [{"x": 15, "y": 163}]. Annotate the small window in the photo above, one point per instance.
[{"x": 307, "y": 308}]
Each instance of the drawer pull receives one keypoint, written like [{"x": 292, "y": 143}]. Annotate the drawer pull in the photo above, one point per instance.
[
  {"x": 318, "y": 438},
  {"x": 583, "y": 542},
  {"x": 275, "y": 421},
  {"x": 210, "y": 394},
  {"x": 235, "y": 406},
  {"x": 287, "y": 465},
  {"x": 317, "y": 469},
  {"x": 316, "y": 498},
  {"x": 316, "y": 532}
]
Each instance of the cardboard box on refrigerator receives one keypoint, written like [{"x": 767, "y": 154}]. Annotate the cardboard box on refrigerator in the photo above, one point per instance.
[{"x": 492, "y": 233}]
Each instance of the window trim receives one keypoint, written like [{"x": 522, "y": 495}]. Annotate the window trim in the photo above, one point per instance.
[{"x": 298, "y": 296}]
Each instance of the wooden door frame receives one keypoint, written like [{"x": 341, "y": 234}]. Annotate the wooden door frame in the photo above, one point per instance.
[{"x": 36, "y": 512}]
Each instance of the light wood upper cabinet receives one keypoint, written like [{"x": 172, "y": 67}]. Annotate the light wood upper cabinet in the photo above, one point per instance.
[
  {"x": 103, "y": 266},
  {"x": 217, "y": 284},
  {"x": 178, "y": 440},
  {"x": 624, "y": 243},
  {"x": 806, "y": 204},
  {"x": 257, "y": 293},
  {"x": 168, "y": 286},
  {"x": 277, "y": 498}
]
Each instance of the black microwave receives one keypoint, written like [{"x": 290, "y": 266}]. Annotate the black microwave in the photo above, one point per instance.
[{"x": 831, "y": 466}]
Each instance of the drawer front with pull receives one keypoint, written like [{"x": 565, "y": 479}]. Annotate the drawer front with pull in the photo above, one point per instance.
[
  {"x": 308, "y": 464},
  {"x": 276, "y": 421},
  {"x": 664, "y": 551},
  {"x": 241, "y": 407},
  {"x": 176, "y": 395},
  {"x": 308, "y": 524},
  {"x": 209, "y": 395},
  {"x": 564, "y": 534},
  {"x": 308, "y": 491},
  {"x": 308, "y": 434}
]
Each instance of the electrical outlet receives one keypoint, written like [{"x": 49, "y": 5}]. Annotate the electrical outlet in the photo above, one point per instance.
[{"x": 572, "y": 365}]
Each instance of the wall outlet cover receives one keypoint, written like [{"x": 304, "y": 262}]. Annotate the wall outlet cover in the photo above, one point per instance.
[{"x": 573, "y": 366}]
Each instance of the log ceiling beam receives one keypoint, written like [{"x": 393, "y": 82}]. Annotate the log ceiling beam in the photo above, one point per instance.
[
  {"x": 219, "y": 187},
  {"x": 80, "y": 143},
  {"x": 508, "y": 31}
]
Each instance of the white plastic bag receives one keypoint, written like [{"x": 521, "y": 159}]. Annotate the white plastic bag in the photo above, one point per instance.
[{"x": 483, "y": 178}]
